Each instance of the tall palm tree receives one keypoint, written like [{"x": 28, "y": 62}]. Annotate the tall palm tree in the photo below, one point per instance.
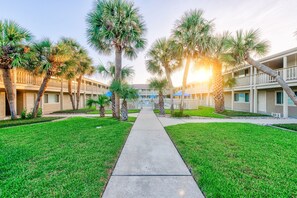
[
  {"x": 216, "y": 57},
  {"x": 160, "y": 85},
  {"x": 116, "y": 25},
  {"x": 192, "y": 33},
  {"x": 102, "y": 101},
  {"x": 164, "y": 58},
  {"x": 108, "y": 71},
  {"x": 246, "y": 44},
  {"x": 48, "y": 61},
  {"x": 13, "y": 53}
]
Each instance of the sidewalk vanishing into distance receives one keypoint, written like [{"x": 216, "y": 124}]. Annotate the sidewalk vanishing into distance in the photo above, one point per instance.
[{"x": 150, "y": 166}]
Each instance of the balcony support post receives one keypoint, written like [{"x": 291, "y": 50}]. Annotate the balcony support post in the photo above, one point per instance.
[
  {"x": 232, "y": 94},
  {"x": 255, "y": 92},
  {"x": 251, "y": 98},
  {"x": 285, "y": 103},
  {"x": 14, "y": 88},
  {"x": 85, "y": 90},
  {"x": 62, "y": 96}
]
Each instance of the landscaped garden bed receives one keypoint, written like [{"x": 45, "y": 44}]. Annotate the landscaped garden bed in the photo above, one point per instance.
[{"x": 239, "y": 160}]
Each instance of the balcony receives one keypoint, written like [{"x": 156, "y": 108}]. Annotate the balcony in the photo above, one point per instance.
[{"x": 291, "y": 75}]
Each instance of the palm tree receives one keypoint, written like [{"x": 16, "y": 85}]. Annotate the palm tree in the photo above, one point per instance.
[
  {"x": 13, "y": 53},
  {"x": 192, "y": 33},
  {"x": 48, "y": 61},
  {"x": 215, "y": 57},
  {"x": 116, "y": 25},
  {"x": 126, "y": 92},
  {"x": 102, "y": 101},
  {"x": 244, "y": 45},
  {"x": 160, "y": 85},
  {"x": 109, "y": 72},
  {"x": 164, "y": 58}
]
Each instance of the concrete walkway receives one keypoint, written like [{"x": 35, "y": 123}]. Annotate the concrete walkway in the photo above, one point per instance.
[
  {"x": 166, "y": 121},
  {"x": 150, "y": 166}
]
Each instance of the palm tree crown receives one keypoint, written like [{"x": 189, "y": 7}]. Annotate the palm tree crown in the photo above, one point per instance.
[
  {"x": 116, "y": 24},
  {"x": 158, "y": 84},
  {"x": 108, "y": 71}
]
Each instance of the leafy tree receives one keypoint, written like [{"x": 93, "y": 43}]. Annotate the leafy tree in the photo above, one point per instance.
[
  {"x": 80, "y": 64},
  {"x": 246, "y": 44},
  {"x": 109, "y": 72},
  {"x": 126, "y": 92},
  {"x": 164, "y": 58},
  {"x": 193, "y": 34},
  {"x": 116, "y": 25},
  {"x": 49, "y": 60},
  {"x": 160, "y": 85},
  {"x": 102, "y": 101},
  {"x": 13, "y": 53}
]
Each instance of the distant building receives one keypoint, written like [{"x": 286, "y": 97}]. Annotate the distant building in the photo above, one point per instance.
[{"x": 56, "y": 97}]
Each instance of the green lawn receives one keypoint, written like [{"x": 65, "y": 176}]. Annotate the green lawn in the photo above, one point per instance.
[
  {"x": 239, "y": 160},
  {"x": 109, "y": 111},
  {"x": 70, "y": 158},
  {"x": 18, "y": 122},
  {"x": 209, "y": 112},
  {"x": 287, "y": 126}
]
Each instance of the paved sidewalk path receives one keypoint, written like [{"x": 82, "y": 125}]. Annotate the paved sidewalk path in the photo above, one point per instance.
[
  {"x": 150, "y": 166},
  {"x": 261, "y": 121}
]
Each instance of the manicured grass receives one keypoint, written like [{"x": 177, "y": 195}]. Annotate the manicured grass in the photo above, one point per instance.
[
  {"x": 70, "y": 111},
  {"x": 239, "y": 160},
  {"x": 230, "y": 113},
  {"x": 70, "y": 158},
  {"x": 287, "y": 126},
  {"x": 18, "y": 122},
  {"x": 210, "y": 112},
  {"x": 131, "y": 119},
  {"x": 201, "y": 112}
]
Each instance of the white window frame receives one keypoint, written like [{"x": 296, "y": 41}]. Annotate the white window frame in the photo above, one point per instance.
[
  {"x": 244, "y": 97},
  {"x": 275, "y": 99}
]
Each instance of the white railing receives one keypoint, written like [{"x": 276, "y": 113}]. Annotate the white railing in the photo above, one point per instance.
[
  {"x": 243, "y": 81},
  {"x": 292, "y": 73}
]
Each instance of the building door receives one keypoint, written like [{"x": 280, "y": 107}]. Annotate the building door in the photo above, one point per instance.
[
  {"x": 262, "y": 101},
  {"x": 7, "y": 109}
]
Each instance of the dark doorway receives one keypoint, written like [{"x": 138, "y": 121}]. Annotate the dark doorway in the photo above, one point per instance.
[{"x": 7, "y": 109}]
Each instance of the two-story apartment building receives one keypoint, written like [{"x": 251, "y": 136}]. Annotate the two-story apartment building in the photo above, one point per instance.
[
  {"x": 56, "y": 96},
  {"x": 255, "y": 91}
]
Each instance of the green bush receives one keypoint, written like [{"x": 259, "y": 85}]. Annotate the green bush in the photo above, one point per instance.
[
  {"x": 24, "y": 114},
  {"x": 39, "y": 113},
  {"x": 29, "y": 115},
  {"x": 179, "y": 114}
]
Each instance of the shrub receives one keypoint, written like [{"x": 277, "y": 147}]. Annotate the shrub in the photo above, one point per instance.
[
  {"x": 29, "y": 115},
  {"x": 24, "y": 114},
  {"x": 179, "y": 114},
  {"x": 39, "y": 113}
]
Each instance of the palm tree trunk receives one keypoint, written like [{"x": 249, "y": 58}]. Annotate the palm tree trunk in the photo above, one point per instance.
[
  {"x": 118, "y": 68},
  {"x": 124, "y": 110},
  {"x": 113, "y": 105},
  {"x": 161, "y": 103},
  {"x": 218, "y": 91},
  {"x": 10, "y": 94},
  {"x": 171, "y": 90},
  {"x": 41, "y": 91},
  {"x": 78, "y": 91},
  {"x": 274, "y": 74},
  {"x": 185, "y": 77},
  {"x": 70, "y": 93},
  {"x": 102, "y": 111}
]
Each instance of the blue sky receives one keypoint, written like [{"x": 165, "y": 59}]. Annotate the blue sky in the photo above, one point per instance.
[{"x": 56, "y": 18}]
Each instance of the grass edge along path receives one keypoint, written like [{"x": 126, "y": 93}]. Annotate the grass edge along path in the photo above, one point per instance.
[
  {"x": 292, "y": 126},
  {"x": 21, "y": 122},
  {"x": 70, "y": 158},
  {"x": 239, "y": 160}
]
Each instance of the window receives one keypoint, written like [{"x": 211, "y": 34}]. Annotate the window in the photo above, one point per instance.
[
  {"x": 241, "y": 97},
  {"x": 51, "y": 98},
  {"x": 242, "y": 73},
  {"x": 45, "y": 98},
  {"x": 280, "y": 98}
]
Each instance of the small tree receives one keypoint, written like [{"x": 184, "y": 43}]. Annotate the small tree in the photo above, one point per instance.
[
  {"x": 160, "y": 85},
  {"x": 13, "y": 53},
  {"x": 102, "y": 101},
  {"x": 109, "y": 72},
  {"x": 126, "y": 92}
]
